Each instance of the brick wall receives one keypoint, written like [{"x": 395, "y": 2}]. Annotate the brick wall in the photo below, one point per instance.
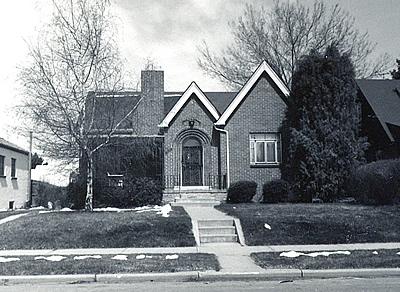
[
  {"x": 261, "y": 111},
  {"x": 151, "y": 110},
  {"x": 193, "y": 110}
]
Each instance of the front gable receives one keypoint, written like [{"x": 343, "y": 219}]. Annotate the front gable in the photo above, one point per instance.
[
  {"x": 264, "y": 70},
  {"x": 192, "y": 92}
]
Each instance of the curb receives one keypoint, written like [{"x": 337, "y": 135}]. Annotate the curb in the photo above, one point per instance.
[
  {"x": 207, "y": 276},
  {"x": 273, "y": 274},
  {"x": 340, "y": 273},
  {"x": 147, "y": 277},
  {"x": 62, "y": 279}
]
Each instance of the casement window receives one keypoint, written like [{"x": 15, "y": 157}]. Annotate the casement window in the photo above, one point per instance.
[
  {"x": 13, "y": 168},
  {"x": 2, "y": 172},
  {"x": 265, "y": 149},
  {"x": 115, "y": 180}
]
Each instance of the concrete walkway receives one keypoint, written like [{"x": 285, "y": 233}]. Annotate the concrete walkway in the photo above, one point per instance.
[
  {"x": 204, "y": 213},
  {"x": 231, "y": 256},
  {"x": 12, "y": 218}
]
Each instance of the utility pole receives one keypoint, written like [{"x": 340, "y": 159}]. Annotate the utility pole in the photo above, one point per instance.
[{"x": 30, "y": 170}]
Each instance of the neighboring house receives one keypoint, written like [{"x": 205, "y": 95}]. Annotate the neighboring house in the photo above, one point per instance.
[
  {"x": 380, "y": 117},
  {"x": 14, "y": 173},
  {"x": 208, "y": 139}
]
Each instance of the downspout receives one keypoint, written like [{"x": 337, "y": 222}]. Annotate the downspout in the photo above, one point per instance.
[
  {"x": 227, "y": 154},
  {"x": 29, "y": 190}
]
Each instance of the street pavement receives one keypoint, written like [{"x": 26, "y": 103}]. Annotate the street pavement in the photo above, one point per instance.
[{"x": 326, "y": 285}]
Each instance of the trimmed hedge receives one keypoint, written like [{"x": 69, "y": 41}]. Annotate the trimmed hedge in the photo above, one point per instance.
[
  {"x": 276, "y": 191},
  {"x": 136, "y": 192},
  {"x": 43, "y": 192},
  {"x": 76, "y": 194},
  {"x": 241, "y": 192},
  {"x": 376, "y": 183}
]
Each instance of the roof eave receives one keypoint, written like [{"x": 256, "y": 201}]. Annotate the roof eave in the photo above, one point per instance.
[
  {"x": 193, "y": 88},
  {"x": 15, "y": 149}
]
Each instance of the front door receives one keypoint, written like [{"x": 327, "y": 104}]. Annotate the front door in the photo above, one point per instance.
[{"x": 192, "y": 163}]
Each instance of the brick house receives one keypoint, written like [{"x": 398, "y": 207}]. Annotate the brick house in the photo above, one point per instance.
[
  {"x": 14, "y": 176},
  {"x": 208, "y": 139},
  {"x": 380, "y": 117}
]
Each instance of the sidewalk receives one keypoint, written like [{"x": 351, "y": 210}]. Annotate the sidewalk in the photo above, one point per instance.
[
  {"x": 234, "y": 260},
  {"x": 222, "y": 248},
  {"x": 233, "y": 257}
]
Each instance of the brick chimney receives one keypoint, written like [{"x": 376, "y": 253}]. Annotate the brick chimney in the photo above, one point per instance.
[{"x": 152, "y": 88}]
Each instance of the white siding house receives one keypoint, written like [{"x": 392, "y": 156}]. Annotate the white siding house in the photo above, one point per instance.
[{"x": 14, "y": 176}]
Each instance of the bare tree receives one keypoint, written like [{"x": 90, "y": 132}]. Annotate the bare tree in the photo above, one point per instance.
[
  {"x": 282, "y": 34},
  {"x": 74, "y": 59}
]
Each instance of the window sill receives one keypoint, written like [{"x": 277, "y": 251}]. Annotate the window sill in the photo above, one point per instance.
[
  {"x": 14, "y": 178},
  {"x": 2, "y": 176},
  {"x": 271, "y": 165}
]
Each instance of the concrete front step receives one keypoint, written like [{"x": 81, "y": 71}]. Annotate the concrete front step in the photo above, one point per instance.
[
  {"x": 197, "y": 203},
  {"x": 177, "y": 197},
  {"x": 201, "y": 197},
  {"x": 218, "y": 238},
  {"x": 173, "y": 196},
  {"x": 215, "y": 223},
  {"x": 223, "y": 230}
]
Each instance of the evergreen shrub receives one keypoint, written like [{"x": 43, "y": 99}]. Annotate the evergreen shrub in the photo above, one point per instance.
[
  {"x": 241, "y": 192},
  {"x": 376, "y": 183},
  {"x": 276, "y": 191}
]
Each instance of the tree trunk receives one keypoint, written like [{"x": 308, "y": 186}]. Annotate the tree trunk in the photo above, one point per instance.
[{"x": 89, "y": 184}]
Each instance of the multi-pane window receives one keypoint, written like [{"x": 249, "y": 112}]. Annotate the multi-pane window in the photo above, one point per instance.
[
  {"x": 265, "y": 148},
  {"x": 13, "y": 168},
  {"x": 115, "y": 180},
  {"x": 2, "y": 165}
]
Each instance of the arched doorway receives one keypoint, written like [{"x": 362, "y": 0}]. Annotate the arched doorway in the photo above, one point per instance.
[{"x": 192, "y": 162}]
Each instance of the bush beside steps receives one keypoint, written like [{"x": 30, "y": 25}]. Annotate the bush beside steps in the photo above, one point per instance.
[{"x": 241, "y": 192}]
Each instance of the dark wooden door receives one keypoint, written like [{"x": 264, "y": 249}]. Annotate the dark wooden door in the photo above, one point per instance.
[{"x": 192, "y": 166}]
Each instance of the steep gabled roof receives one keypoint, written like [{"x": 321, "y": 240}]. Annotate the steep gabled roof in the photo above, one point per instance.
[
  {"x": 263, "y": 68},
  {"x": 6, "y": 144},
  {"x": 384, "y": 98},
  {"x": 220, "y": 100},
  {"x": 192, "y": 89},
  {"x": 111, "y": 107}
]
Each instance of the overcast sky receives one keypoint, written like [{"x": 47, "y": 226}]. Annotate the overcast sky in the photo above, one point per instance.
[{"x": 167, "y": 32}]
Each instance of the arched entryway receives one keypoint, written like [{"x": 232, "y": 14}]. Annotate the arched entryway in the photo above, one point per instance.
[{"x": 192, "y": 162}]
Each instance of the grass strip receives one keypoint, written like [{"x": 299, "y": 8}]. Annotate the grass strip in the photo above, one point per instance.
[
  {"x": 357, "y": 259},
  {"x": 157, "y": 264}
]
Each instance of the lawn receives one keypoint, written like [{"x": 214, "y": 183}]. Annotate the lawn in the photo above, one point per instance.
[
  {"x": 157, "y": 263},
  {"x": 315, "y": 223},
  {"x": 358, "y": 259},
  {"x": 97, "y": 230},
  {"x": 5, "y": 214}
]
